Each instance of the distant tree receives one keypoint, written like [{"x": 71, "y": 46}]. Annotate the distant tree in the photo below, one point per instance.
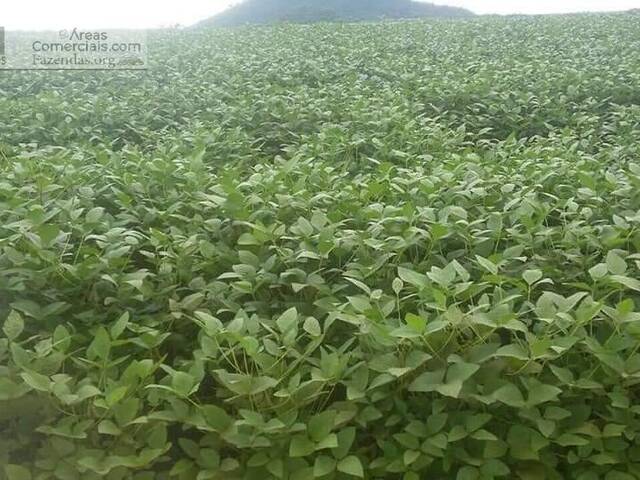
[{"x": 306, "y": 11}]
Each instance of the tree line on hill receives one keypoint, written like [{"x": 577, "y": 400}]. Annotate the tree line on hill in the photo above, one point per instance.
[{"x": 307, "y": 11}]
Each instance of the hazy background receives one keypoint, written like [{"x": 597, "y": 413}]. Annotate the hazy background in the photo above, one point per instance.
[{"x": 43, "y": 14}]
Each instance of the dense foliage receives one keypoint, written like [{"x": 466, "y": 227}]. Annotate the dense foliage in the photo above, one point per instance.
[
  {"x": 388, "y": 251},
  {"x": 270, "y": 11}
]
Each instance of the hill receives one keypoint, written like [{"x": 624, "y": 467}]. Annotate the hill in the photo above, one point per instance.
[{"x": 307, "y": 11}]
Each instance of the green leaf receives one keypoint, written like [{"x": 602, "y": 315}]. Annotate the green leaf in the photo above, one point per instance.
[
  {"x": 16, "y": 472},
  {"x": 193, "y": 301},
  {"x": 427, "y": 381},
  {"x": 126, "y": 410},
  {"x": 323, "y": 465},
  {"x": 487, "y": 264},
  {"x": 599, "y": 271},
  {"x": 613, "y": 430},
  {"x": 61, "y": 338},
  {"x": 410, "y": 456},
  {"x": 540, "y": 393},
  {"x": 351, "y": 466},
  {"x": 287, "y": 320},
  {"x": 36, "y": 380},
  {"x": 120, "y": 325},
  {"x": 442, "y": 276},
  {"x": 468, "y": 473},
  {"x": 494, "y": 468},
  {"x": 301, "y": 446},
  {"x": 100, "y": 346},
  {"x": 330, "y": 441},
  {"x": 617, "y": 475},
  {"x": 630, "y": 283},
  {"x": 312, "y": 327},
  {"x": 525, "y": 443},
  {"x": 94, "y": 215},
  {"x": 13, "y": 325},
  {"x": 416, "y": 323},
  {"x": 532, "y": 276},
  {"x": 306, "y": 228},
  {"x": 457, "y": 374},
  {"x": 346, "y": 436},
  {"x": 248, "y": 239},
  {"x": 321, "y": 424},
  {"x": 450, "y": 389},
  {"x": 413, "y": 278},
  {"x": 48, "y": 233},
  {"x": 107, "y": 427},
  {"x": 513, "y": 351},
  {"x": 181, "y": 467},
  {"x": 115, "y": 395},
  {"x": 362, "y": 286},
  {"x": 276, "y": 468},
  {"x": 10, "y": 390},
  {"x": 211, "y": 324},
  {"x": 87, "y": 391},
  {"x": 615, "y": 264},
  {"x": 571, "y": 440},
  {"x": 461, "y": 371},
  {"x": 217, "y": 418},
  {"x": 510, "y": 395},
  {"x": 182, "y": 383},
  {"x": 397, "y": 285},
  {"x": 359, "y": 303},
  {"x": 484, "y": 435}
]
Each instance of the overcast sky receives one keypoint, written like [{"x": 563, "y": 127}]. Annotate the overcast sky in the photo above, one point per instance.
[{"x": 55, "y": 14}]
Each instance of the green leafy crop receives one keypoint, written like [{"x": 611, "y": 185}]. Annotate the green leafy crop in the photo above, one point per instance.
[{"x": 401, "y": 250}]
